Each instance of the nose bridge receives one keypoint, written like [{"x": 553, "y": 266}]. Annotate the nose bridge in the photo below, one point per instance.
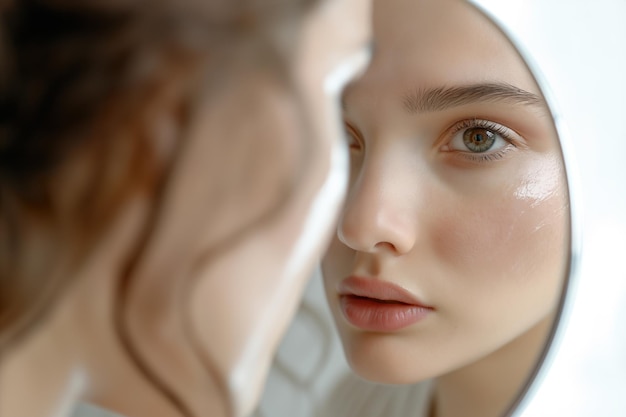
[{"x": 380, "y": 212}]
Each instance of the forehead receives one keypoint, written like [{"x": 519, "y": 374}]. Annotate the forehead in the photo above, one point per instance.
[{"x": 422, "y": 44}]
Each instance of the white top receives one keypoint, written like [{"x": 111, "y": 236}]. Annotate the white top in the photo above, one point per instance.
[{"x": 358, "y": 398}]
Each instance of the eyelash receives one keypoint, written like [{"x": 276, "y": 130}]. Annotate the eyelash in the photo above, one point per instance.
[
  {"x": 504, "y": 132},
  {"x": 353, "y": 137}
]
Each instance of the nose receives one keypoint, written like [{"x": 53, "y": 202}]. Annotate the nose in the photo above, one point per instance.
[{"x": 380, "y": 214}]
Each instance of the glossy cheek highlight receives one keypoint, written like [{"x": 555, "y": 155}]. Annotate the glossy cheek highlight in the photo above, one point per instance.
[
  {"x": 543, "y": 183},
  {"x": 511, "y": 234}
]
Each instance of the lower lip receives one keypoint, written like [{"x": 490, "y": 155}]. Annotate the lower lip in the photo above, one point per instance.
[{"x": 372, "y": 315}]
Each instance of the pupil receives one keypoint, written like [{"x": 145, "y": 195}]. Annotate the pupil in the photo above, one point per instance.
[{"x": 479, "y": 139}]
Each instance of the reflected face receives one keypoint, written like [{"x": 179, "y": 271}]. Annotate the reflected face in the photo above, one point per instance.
[
  {"x": 262, "y": 157},
  {"x": 453, "y": 240}
]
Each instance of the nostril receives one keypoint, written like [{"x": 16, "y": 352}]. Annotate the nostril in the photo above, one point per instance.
[
  {"x": 386, "y": 246},
  {"x": 377, "y": 235}
]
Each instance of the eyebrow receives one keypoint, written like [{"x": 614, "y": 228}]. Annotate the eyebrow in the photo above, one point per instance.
[{"x": 442, "y": 98}]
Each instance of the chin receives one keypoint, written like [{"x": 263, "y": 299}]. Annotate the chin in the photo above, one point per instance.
[
  {"x": 386, "y": 373},
  {"x": 388, "y": 359}
]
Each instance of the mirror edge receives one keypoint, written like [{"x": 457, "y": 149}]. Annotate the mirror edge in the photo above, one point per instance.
[{"x": 572, "y": 269}]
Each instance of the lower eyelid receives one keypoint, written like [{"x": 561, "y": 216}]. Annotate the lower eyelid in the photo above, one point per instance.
[{"x": 487, "y": 156}]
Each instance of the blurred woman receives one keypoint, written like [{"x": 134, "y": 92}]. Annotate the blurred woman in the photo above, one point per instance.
[{"x": 160, "y": 167}]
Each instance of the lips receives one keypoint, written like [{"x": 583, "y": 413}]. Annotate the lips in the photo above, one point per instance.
[{"x": 379, "y": 306}]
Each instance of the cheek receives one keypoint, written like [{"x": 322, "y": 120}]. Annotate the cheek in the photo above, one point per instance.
[
  {"x": 506, "y": 235},
  {"x": 336, "y": 263}
]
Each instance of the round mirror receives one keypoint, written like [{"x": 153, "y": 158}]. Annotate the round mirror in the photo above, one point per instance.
[{"x": 449, "y": 265}]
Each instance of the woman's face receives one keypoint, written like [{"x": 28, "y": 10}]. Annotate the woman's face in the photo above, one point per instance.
[{"x": 453, "y": 240}]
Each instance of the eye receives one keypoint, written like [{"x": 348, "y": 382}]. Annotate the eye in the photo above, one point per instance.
[
  {"x": 353, "y": 136},
  {"x": 478, "y": 139},
  {"x": 475, "y": 138}
]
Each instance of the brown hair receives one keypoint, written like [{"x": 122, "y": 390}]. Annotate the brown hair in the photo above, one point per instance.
[
  {"x": 79, "y": 83},
  {"x": 77, "y": 137}
]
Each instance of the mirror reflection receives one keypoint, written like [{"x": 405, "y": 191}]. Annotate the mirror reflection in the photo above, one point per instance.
[{"x": 446, "y": 271}]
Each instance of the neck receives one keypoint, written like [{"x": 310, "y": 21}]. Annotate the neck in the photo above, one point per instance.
[{"x": 487, "y": 388}]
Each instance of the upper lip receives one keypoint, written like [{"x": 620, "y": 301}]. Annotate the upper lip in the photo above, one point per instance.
[{"x": 379, "y": 290}]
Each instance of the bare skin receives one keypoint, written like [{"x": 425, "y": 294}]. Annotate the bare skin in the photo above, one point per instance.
[{"x": 476, "y": 233}]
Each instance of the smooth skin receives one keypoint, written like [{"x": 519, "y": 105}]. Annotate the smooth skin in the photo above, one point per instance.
[{"x": 480, "y": 236}]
